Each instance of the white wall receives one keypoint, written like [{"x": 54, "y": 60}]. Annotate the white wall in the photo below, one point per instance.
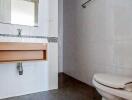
[
  {"x": 123, "y": 36},
  {"x": 97, "y": 39},
  {"x": 53, "y": 18},
  {"x": 69, "y": 37},
  {"x": 38, "y": 76},
  {"x": 60, "y": 17}
]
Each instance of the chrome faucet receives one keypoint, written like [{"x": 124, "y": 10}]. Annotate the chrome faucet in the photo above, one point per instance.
[{"x": 19, "y": 32}]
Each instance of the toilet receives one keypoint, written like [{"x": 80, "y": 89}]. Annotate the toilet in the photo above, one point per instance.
[{"x": 113, "y": 87}]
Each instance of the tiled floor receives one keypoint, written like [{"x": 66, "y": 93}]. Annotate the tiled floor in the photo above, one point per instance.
[{"x": 69, "y": 89}]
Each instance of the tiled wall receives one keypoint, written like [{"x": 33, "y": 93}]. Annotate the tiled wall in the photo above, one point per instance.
[
  {"x": 97, "y": 39},
  {"x": 123, "y": 36}
]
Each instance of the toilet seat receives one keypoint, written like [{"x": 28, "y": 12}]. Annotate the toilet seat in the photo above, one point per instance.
[
  {"x": 111, "y": 85},
  {"x": 117, "y": 92},
  {"x": 114, "y": 81}
]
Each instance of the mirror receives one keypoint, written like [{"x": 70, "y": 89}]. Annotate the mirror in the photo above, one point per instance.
[{"x": 21, "y": 12}]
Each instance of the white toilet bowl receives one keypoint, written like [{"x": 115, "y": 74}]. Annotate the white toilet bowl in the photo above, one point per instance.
[{"x": 110, "y": 89}]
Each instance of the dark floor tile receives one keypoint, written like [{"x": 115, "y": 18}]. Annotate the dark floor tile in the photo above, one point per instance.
[{"x": 69, "y": 89}]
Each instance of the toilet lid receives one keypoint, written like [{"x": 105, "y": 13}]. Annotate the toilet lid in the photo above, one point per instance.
[{"x": 114, "y": 81}]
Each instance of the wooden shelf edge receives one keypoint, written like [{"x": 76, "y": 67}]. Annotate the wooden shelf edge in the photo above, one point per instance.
[
  {"x": 9, "y": 62},
  {"x": 22, "y": 46}
]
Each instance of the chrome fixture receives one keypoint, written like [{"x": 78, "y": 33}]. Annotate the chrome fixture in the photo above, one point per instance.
[
  {"x": 19, "y": 32},
  {"x": 20, "y": 68},
  {"x": 84, "y": 5}
]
